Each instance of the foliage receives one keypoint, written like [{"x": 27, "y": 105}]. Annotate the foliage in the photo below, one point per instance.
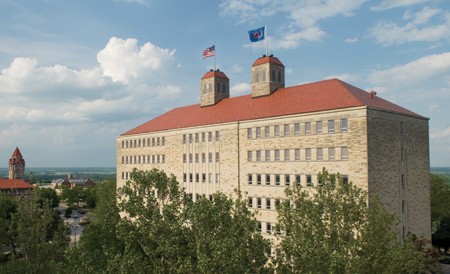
[
  {"x": 99, "y": 246},
  {"x": 73, "y": 195},
  {"x": 68, "y": 212},
  {"x": 8, "y": 207},
  {"x": 332, "y": 230},
  {"x": 226, "y": 237},
  {"x": 40, "y": 239},
  {"x": 48, "y": 195},
  {"x": 440, "y": 210},
  {"x": 90, "y": 196}
]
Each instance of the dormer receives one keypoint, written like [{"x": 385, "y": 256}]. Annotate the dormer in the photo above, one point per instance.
[
  {"x": 267, "y": 76},
  {"x": 214, "y": 86}
]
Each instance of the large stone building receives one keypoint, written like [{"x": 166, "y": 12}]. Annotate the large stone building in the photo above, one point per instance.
[{"x": 265, "y": 141}]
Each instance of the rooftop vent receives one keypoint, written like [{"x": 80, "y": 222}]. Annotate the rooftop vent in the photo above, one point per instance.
[{"x": 372, "y": 94}]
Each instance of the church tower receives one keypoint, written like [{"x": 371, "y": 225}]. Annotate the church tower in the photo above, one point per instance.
[
  {"x": 16, "y": 165},
  {"x": 267, "y": 76},
  {"x": 214, "y": 86}
]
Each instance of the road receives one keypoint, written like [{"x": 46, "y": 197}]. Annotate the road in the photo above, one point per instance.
[{"x": 73, "y": 223}]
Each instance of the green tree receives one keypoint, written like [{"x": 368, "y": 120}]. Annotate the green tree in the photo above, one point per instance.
[
  {"x": 153, "y": 225},
  {"x": 226, "y": 237},
  {"x": 90, "y": 196},
  {"x": 8, "y": 207},
  {"x": 99, "y": 249},
  {"x": 48, "y": 195},
  {"x": 440, "y": 210},
  {"x": 72, "y": 195},
  {"x": 41, "y": 244},
  {"x": 330, "y": 229}
]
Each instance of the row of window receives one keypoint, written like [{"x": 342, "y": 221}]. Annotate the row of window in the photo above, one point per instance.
[
  {"x": 200, "y": 136},
  {"x": 145, "y": 142},
  {"x": 270, "y": 204},
  {"x": 295, "y": 129},
  {"x": 260, "y": 76},
  {"x": 144, "y": 159},
  {"x": 270, "y": 228},
  {"x": 197, "y": 177},
  {"x": 201, "y": 157},
  {"x": 283, "y": 179},
  {"x": 297, "y": 154}
]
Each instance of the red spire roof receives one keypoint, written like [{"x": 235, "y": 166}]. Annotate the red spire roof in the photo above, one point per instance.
[
  {"x": 267, "y": 59},
  {"x": 16, "y": 153},
  {"x": 318, "y": 96},
  {"x": 216, "y": 73},
  {"x": 14, "y": 183}
]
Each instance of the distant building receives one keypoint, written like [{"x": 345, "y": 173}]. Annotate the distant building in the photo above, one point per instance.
[
  {"x": 15, "y": 185},
  {"x": 71, "y": 183},
  {"x": 278, "y": 136}
]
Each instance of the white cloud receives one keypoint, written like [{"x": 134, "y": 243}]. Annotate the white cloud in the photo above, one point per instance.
[
  {"x": 304, "y": 16},
  {"x": 419, "y": 29},
  {"x": 351, "y": 40},
  {"x": 350, "y": 78},
  {"x": 124, "y": 61},
  {"x": 440, "y": 134},
  {"x": 240, "y": 89},
  {"x": 417, "y": 72},
  {"x": 390, "y": 4}
]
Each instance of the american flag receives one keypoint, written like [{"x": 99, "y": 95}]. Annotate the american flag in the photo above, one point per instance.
[{"x": 208, "y": 52}]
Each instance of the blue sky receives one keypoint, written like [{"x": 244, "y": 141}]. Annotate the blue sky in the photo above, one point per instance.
[{"x": 76, "y": 74}]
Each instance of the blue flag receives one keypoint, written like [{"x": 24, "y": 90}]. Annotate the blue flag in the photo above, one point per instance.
[{"x": 257, "y": 35}]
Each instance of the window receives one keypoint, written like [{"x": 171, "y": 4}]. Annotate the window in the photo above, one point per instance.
[
  {"x": 273, "y": 75},
  {"x": 279, "y": 77},
  {"x": 210, "y": 136},
  {"x": 308, "y": 180},
  {"x": 297, "y": 154},
  {"x": 158, "y": 141},
  {"x": 268, "y": 203},
  {"x": 249, "y": 133},
  {"x": 277, "y": 179},
  {"x": 250, "y": 179},
  {"x": 267, "y": 155},
  {"x": 210, "y": 177},
  {"x": 190, "y": 177},
  {"x": 203, "y": 177},
  {"x": 203, "y": 157},
  {"x": 307, "y": 128},
  {"x": 259, "y": 226},
  {"x": 190, "y": 158},
  {"x": 268, "y": 228},
  {"x": 267, "y": 132},
  {"x": 190, "y": 138},
  {"x": 345, "y": 179},
  {"x": 163, "y": 158},
  {"x": 331, "y": 153},
  {"x": 258, "y": 132},
  {"x": 123, "y": 175},
  {"x": 344, "y": 125},
  {"x": 286, "y": 130},
  {"x": 277, "y": 154},
  {"x": 203, "y": 136},
  {"x": 268, "y": 179},
  {"x": 319, "y": 153},
  {"x": 196, "y": 157},
  {"x": 318, "y": 127},
  {"x": 258, "y": 203},
  {"x": 217, "y": 178},
  {"x": 163, "y": 141},
  {"x": 308, "y": 154},
  {"x": 250, "y": 202},
  {"x": 287, "y": 155},
  {"x": 344, "y": 153},
  {"x": 287, "y": 180},
  {"x": 210, "y": 157},
  {"x": 330, "y": 126},
  {"x": 217, "y": 157},
  {"x": 276, "y": 129},
  {"x": 277, "y": 203},
  {"x": 123, "y": 159},
  {"x": 297, "y": 129},
  {"x": 196, "y": 137},
  {"x": 249, "y": 155},
  {"x": 217, "y": 136},
  {"x": 297, "y": 179},
  {"x": 123, "y": 145},
  {"x": 197, "y": 177},
  {"x": 258, "y": 155},
  {"x": 258, "y": 179}
]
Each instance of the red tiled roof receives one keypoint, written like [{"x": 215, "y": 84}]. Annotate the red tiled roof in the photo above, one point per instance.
[
  {"x": 267, "y": 59},
  {"x": 14, "y": 183},
  {"x": 216, "y": 73},
  {"x": 318, "y": 96},
  {"x": 16, "y": 153}
]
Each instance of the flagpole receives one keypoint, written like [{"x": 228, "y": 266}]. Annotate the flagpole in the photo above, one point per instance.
[
  {"x": 267, "y": 41},
  {"x": 215, "y": 53}
]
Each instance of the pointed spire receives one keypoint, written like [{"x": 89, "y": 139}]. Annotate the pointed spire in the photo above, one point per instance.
[{"x": 16, "y": 153}]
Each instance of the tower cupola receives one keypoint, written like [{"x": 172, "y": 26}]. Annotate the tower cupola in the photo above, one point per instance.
[
  {"x": 267, "y": 76},
  {"x": 214, "y": 86}
]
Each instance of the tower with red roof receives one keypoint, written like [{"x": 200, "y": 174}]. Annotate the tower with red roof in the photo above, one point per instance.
[{"x": 16, "y": 165}]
